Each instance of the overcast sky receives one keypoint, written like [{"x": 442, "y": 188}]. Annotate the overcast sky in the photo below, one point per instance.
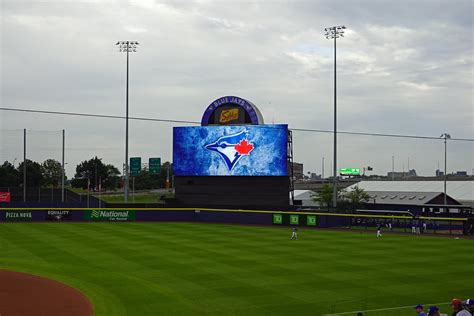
[{"x": 404, "y": 67}]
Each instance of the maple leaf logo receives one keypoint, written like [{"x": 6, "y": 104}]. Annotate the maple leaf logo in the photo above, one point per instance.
[
  {"x": 232, "y": 147},
  {"x": 244, "y": 147}
]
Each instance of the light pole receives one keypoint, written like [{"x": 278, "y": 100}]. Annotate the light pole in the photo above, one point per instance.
[
  {"x": 322, "y": 170},
  {"x": 446, "y": 137},
  {"x": 128, "y": 47},
  {"x": 393, "y": 168},
  {"x": 334, "y": 32}
]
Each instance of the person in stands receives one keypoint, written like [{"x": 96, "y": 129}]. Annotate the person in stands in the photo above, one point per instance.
[
  {"x": 470, "y": 305},
  {"x": 419, "y": 310},
  {"x": 458, "y": 308},
  {"x": 433, "y": 311}
]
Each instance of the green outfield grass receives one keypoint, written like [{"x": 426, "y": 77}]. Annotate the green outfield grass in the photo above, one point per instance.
[{"x": 196, "y": 269}]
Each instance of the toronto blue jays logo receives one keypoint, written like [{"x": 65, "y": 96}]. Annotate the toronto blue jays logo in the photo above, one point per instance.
[{"x": 232, "y": 147}]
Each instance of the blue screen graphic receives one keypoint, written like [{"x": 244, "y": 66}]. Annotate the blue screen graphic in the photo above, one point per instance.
[{"x": 251, "y": 150}]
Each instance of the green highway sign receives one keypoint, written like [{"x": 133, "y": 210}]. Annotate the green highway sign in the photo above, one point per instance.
[
  {"x": 154, "y": 165},
  {"x": 350, "y": 171},
  {"x": 135, "y": 166}
]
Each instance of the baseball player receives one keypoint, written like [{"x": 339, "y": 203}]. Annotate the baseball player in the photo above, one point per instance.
[{"x": 294, "y": 234}]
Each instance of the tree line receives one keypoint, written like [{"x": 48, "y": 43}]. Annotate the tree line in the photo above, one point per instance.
[
  {"x": 92, "y": 174},
  {"x": 348, "y": 199}
]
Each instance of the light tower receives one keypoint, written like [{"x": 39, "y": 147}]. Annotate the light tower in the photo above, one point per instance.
[
  {"x": 335, "y": 32},
  {"x": 128, "y": 47}
]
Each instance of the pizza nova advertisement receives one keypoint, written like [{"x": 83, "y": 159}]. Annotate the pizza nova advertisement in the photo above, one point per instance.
[
  {"x": 18, "y": 216},
  {"x": 106, "y": 215}
]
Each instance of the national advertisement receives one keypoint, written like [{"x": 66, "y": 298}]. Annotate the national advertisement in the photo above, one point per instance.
[{"x": 106, "y": 215}]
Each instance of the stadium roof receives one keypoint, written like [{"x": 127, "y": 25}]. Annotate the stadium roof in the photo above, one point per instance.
[
  {"x": 406, "y": 198},
  {"x": 458, "y": 190}
]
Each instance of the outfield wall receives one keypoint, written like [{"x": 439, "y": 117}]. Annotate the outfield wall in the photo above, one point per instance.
[{"x": 229, "y": 216}]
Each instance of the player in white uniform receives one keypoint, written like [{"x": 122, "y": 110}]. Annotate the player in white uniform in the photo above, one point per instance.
[
  {"x": 379, "y": 230},
  {"x": 294, "y": 235}
]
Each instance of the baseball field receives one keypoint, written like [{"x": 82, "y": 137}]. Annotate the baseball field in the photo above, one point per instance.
[{"x": 206, "y": 269}]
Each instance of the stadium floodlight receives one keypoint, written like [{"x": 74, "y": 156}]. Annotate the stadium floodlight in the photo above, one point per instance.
[
  {"x": 128, "y": 47},
  {"x": 446, "y": 137},
  {"x": 334, "y": 32}
]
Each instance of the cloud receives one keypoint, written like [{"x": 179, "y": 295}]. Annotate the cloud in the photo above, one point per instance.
[
  {"x": 418, "y": 86},
  {"x": 399, "y": 65}
]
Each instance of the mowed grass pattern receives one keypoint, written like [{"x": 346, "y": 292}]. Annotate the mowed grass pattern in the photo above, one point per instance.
[{"x": 206, "y": 269}]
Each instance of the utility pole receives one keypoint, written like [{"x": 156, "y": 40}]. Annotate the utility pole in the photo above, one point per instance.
[
  {"x": 322, "y": 173},
  {"x": 24, "y": 165},
  {"x": 335, "y": 32},
  {"x": 446, "y": 137},
  {"x": 393, "y": 168},
  {"x": 127, "y": 46},
  {"x": 62, "y": 171}
]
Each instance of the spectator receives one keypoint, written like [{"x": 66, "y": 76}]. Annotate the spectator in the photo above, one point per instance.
[
  {"x": 458, "y": 309},
  {"x": 470, "y": 305},
  {"x": 433, "y": 311},
  {"x": 419, "y": 310}
]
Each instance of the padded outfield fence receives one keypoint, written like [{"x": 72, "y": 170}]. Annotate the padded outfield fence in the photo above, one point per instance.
[{"x": 361, "y": 222}]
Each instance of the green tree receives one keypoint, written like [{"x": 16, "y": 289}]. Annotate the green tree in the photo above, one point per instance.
[
  {"x": 52, "y": 172},
  {"x": 9, "y": 176},
  {"x": 147, "y": 181},
  {"x": 34, "y": 176},
  {"x": 356, "y": 196},
  {"x": 323, "y": 197},
  {"x": 95, "y": 171}
]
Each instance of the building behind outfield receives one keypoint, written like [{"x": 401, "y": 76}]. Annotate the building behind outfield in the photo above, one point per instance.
[
  {"x": 461, "y": 191},
  {"x": 425, "y": 196}
]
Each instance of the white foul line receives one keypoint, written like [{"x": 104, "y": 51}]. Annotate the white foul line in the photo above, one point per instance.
[{"x": 381, "y": 309}]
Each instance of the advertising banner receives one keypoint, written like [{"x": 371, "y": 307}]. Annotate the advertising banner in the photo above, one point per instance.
[
  {"x": 277, "y": 219},
  {"x": 252, "y": 150},
  {"x": 311, "y": 220},
  {"x": 294, "y": 219},
  {"x": 5, "y": 197},
  {"x": 106, "y": 215},
  {"x": 21, "y": 216},
  {"x": 58, "y": 215}
]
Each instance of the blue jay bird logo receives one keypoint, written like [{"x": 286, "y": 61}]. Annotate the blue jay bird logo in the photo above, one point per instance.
[{"x": 232, "y": 147}]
